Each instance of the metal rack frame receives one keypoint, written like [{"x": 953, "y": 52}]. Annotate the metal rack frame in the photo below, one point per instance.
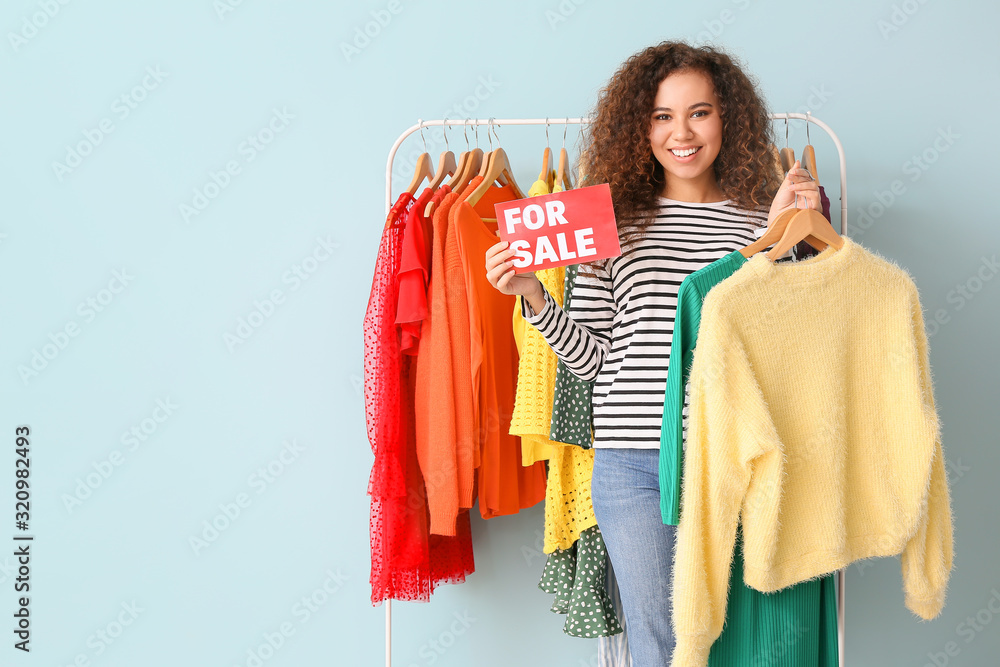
[{"x": 809, "y": 118}]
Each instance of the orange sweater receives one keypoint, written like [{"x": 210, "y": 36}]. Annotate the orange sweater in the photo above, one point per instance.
[
  {"x": 505, "y": 486},
  {"x": 462, "y": 408},
  {"x": 435, "y": 430}
]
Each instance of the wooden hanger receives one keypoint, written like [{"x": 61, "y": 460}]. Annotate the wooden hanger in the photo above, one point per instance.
[
  {"x": 423, "y": 170},
  {"x": 809, "y": 161},
  {"x": 485, "y": 166},
  {"x": 446, "y": 167},
  {"x": 775, "y": 232},
  {"x": 563, "y": 170},
  {"x": 787, "y": 156},
  {"x": 807, "y": 224},
  {"x": 472, "y": 165},
  {"x": 546, "y": 173},
  {"x": 772, "y": 235},
  {"x": 809, "y": 157},
  {"x": 499, "y": 170},
  {"x": 455, "y": 170},
  {"x": 467, "y": 168}
]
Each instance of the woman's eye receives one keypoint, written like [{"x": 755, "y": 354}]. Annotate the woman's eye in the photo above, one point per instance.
[
  {"x": 696, "y": 113},
  {"x": 662, "y": 116}
]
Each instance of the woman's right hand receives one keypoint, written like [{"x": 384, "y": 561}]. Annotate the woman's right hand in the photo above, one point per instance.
[
  {"x": 798, "y": 181},
  {"x": 500, "y": 273}
]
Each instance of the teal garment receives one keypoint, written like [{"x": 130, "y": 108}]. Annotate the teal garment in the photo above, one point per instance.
[
  {"x": 572, "y": 400},
  {"x": 788, "y": 628},
  {"x": 686, "y": 320},
  {"x": 792, "y": 627}
]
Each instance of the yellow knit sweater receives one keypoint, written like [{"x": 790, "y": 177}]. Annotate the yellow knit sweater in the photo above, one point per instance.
[
  {"x": 812, "y": 420},
  {"x": 569, "y": 509},
  {"x": 536, "y": 368}
]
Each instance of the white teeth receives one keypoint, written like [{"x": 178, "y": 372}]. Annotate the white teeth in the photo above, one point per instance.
[{"x": 684, "y": 153}]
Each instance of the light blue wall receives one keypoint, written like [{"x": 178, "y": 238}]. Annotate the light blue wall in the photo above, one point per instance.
[{"x": 890, "y": 95}]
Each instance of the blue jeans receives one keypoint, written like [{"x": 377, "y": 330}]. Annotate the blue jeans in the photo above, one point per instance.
[{"x": 625, "y": 488}]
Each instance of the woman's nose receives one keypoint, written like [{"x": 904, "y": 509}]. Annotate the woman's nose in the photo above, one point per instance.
[{"x": 682, "y": 130}]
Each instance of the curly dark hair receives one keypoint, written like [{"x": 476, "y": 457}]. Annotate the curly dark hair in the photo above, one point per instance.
[{"x": 616, "y": 147}]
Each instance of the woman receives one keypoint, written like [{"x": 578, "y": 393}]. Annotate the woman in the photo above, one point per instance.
[{"x": 682, "y": 137}]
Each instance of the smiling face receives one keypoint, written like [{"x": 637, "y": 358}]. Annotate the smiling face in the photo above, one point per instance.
[{"x": 686, "y": 135}]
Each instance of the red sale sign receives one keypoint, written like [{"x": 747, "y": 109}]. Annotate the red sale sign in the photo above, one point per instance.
[{"x": 562, "y": 228}]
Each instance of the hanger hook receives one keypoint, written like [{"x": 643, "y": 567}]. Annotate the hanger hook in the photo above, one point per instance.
[
  {"x": 565, "y": 127},
  {"x": 465, "y": 130},
  {"x": 546, "y": 131},
  {"x": 420, "y": 122},
  {"x": 445, "y": 128},
  {"x": 495, "y": 133},
  {"x": 489, "y": 126},
  {"x": 475, "y": 127},
  {"x": 786, "y": 131},
  {"x": 808, "y": 122}
]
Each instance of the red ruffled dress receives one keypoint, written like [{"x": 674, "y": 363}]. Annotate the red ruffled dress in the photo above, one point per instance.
[{"x": 407, "y": 563}]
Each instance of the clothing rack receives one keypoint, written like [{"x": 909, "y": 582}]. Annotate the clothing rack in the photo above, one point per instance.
[{"x": 808, "y": 117}]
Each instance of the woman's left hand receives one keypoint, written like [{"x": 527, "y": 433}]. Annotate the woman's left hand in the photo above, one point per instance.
[{"x": 797, "y": 182}]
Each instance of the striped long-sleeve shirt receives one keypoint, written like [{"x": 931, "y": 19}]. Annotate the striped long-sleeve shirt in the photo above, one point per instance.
[{"x": 619, "y": 327}]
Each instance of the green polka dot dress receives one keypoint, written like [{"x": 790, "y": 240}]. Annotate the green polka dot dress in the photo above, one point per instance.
[
  {"x": 577, "y": 578},
  {"x": 572, "y": 416}
]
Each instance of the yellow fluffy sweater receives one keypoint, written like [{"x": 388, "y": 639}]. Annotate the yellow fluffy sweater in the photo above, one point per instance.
[{"x": 812, "y": 421}]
